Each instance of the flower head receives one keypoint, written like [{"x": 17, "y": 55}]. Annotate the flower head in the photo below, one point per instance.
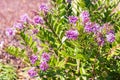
[
  {"x": 72, "y": 34},
  {"x": 10, "y": 32},
  {"x": 44, "y": 8},
  {"x": 33, "y": 58},
  {"x": 85, "y": 17},
  {"x": 88, "y": 27},
  {"x": 73, "y": 19},
  {"x": 24, "y": 18},
  {"x": 100, "y": 39},
  {"x": 95, "y": 27},
  {"x": 18, "y": 25},
  {"x": 110, "y": 37},
  {"x": 38, "y": 20},
  {"x": 45, "y": 57},
  {"x": 32, "y": 72},
  {"x": 44, "y": 66}
]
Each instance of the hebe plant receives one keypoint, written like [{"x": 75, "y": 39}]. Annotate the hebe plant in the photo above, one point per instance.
[{"x": 74, "y": 39}]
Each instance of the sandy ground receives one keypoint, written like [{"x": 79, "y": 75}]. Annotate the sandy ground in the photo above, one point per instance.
[{"x": 10, "y": 10}]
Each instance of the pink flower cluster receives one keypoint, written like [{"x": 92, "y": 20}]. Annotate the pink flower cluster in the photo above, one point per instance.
[
  {"x": 44, "y": 58},
  {"x": 97, "y": 29},
  {"x": 72, "y": 34}
]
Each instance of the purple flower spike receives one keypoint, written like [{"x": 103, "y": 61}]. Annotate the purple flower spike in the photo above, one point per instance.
[
  {"x": 24, "y": 18},
  {"x": 10, "y": 32},
  {"x": 32, "y": 72},
  {"x": 33, "y": 58},
  {"x": 100, "y": 39},
  {"x": 45, "y": 57},
  {"x": 85, "y": 14},
  {"x": 38, "y": 20},
  {"x": 44, "y": 8},
  {"x": 72, "y": 34},
  {"x": 44, "y": 66},
  {"x": 88, "y": 27},
  {"x": 18, "y": 25},
  {"x": 73, "y": 19},
  {"x": 85, "y": 17},
  {"x": 95, "y": 27},
  {"x": 110, "y": 37}
]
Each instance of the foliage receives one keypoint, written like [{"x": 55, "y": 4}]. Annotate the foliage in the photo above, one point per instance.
[
  {"x": 78, "y": 58},
  {"x": 7, "y": 72}
]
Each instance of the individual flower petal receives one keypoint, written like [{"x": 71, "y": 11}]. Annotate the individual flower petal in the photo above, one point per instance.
[
  {"x": 38, "y": 20},
  {"x": 18, "y": 25},
  {"x": 44, "y": 66},
  {"x": 10, "y": 32},
  {"x": 24, "y": 18},
  {"x": 88, "y": 27},
  {"x": 32, "y": 72},
  {"x": 45, "y": 57},
  {"x": 85, "y": 17},
  {"x": 72, "y": 34},
  {"x": 110, "y": 37},
  {"x": 95, "y": 27},
  {"x": 35, "y": 31},
  {"x": 43, "y": 8},
  {"x": 73, "y": 19},
  {"x": 100, "y": 39},
  {"x": 33, "y": 58}
]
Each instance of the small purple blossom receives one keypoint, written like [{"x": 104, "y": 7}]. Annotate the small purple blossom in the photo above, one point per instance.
[
  {"x": 85, "y": 17},
  {"x": 100, "y": 39},
  {"x": 72, "y": 34},
  {"x": 38, "y": 20},
  {"x": 110, "y": 37},
  {"x": 10, "y": 32},
  {"x": 45, "y": 57},
  {"x": 24, "y": 18},
  {"x": 33, "y": 58},
  {"x": 35, "y": 31},
  {"x": 32, "y": 72},
  {"x": 69, "y": 1},
  {"x": 88, "y": 27},
  {"x": 18, "y": 25},
  {"x": 95, "y": 27},
  {"x": 44, "y": 8},
  {"x": 44, "y": 66},
  {"x": 73, "y": 19}
]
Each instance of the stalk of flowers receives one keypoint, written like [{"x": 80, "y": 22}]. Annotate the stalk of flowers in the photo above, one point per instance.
[
  {"x": 18, "y": 25},
  {"x": 38, "y": 20},
  {"x": 100, "y": 39},
  {"x": 110, "y": 36},
  {"x": 33, "y": 59},
  {"x": 32, "y": 73},
  {"x": 45, "y": 57},
  {"x": 10, "y": 32},
  {"x": 44, "y": 8},
  {"x": 85, "y": 17},
  {"x": 73, "y": 19},
  {"x": 24, "y": 18},
  {"x": 72, "y": 34}
]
